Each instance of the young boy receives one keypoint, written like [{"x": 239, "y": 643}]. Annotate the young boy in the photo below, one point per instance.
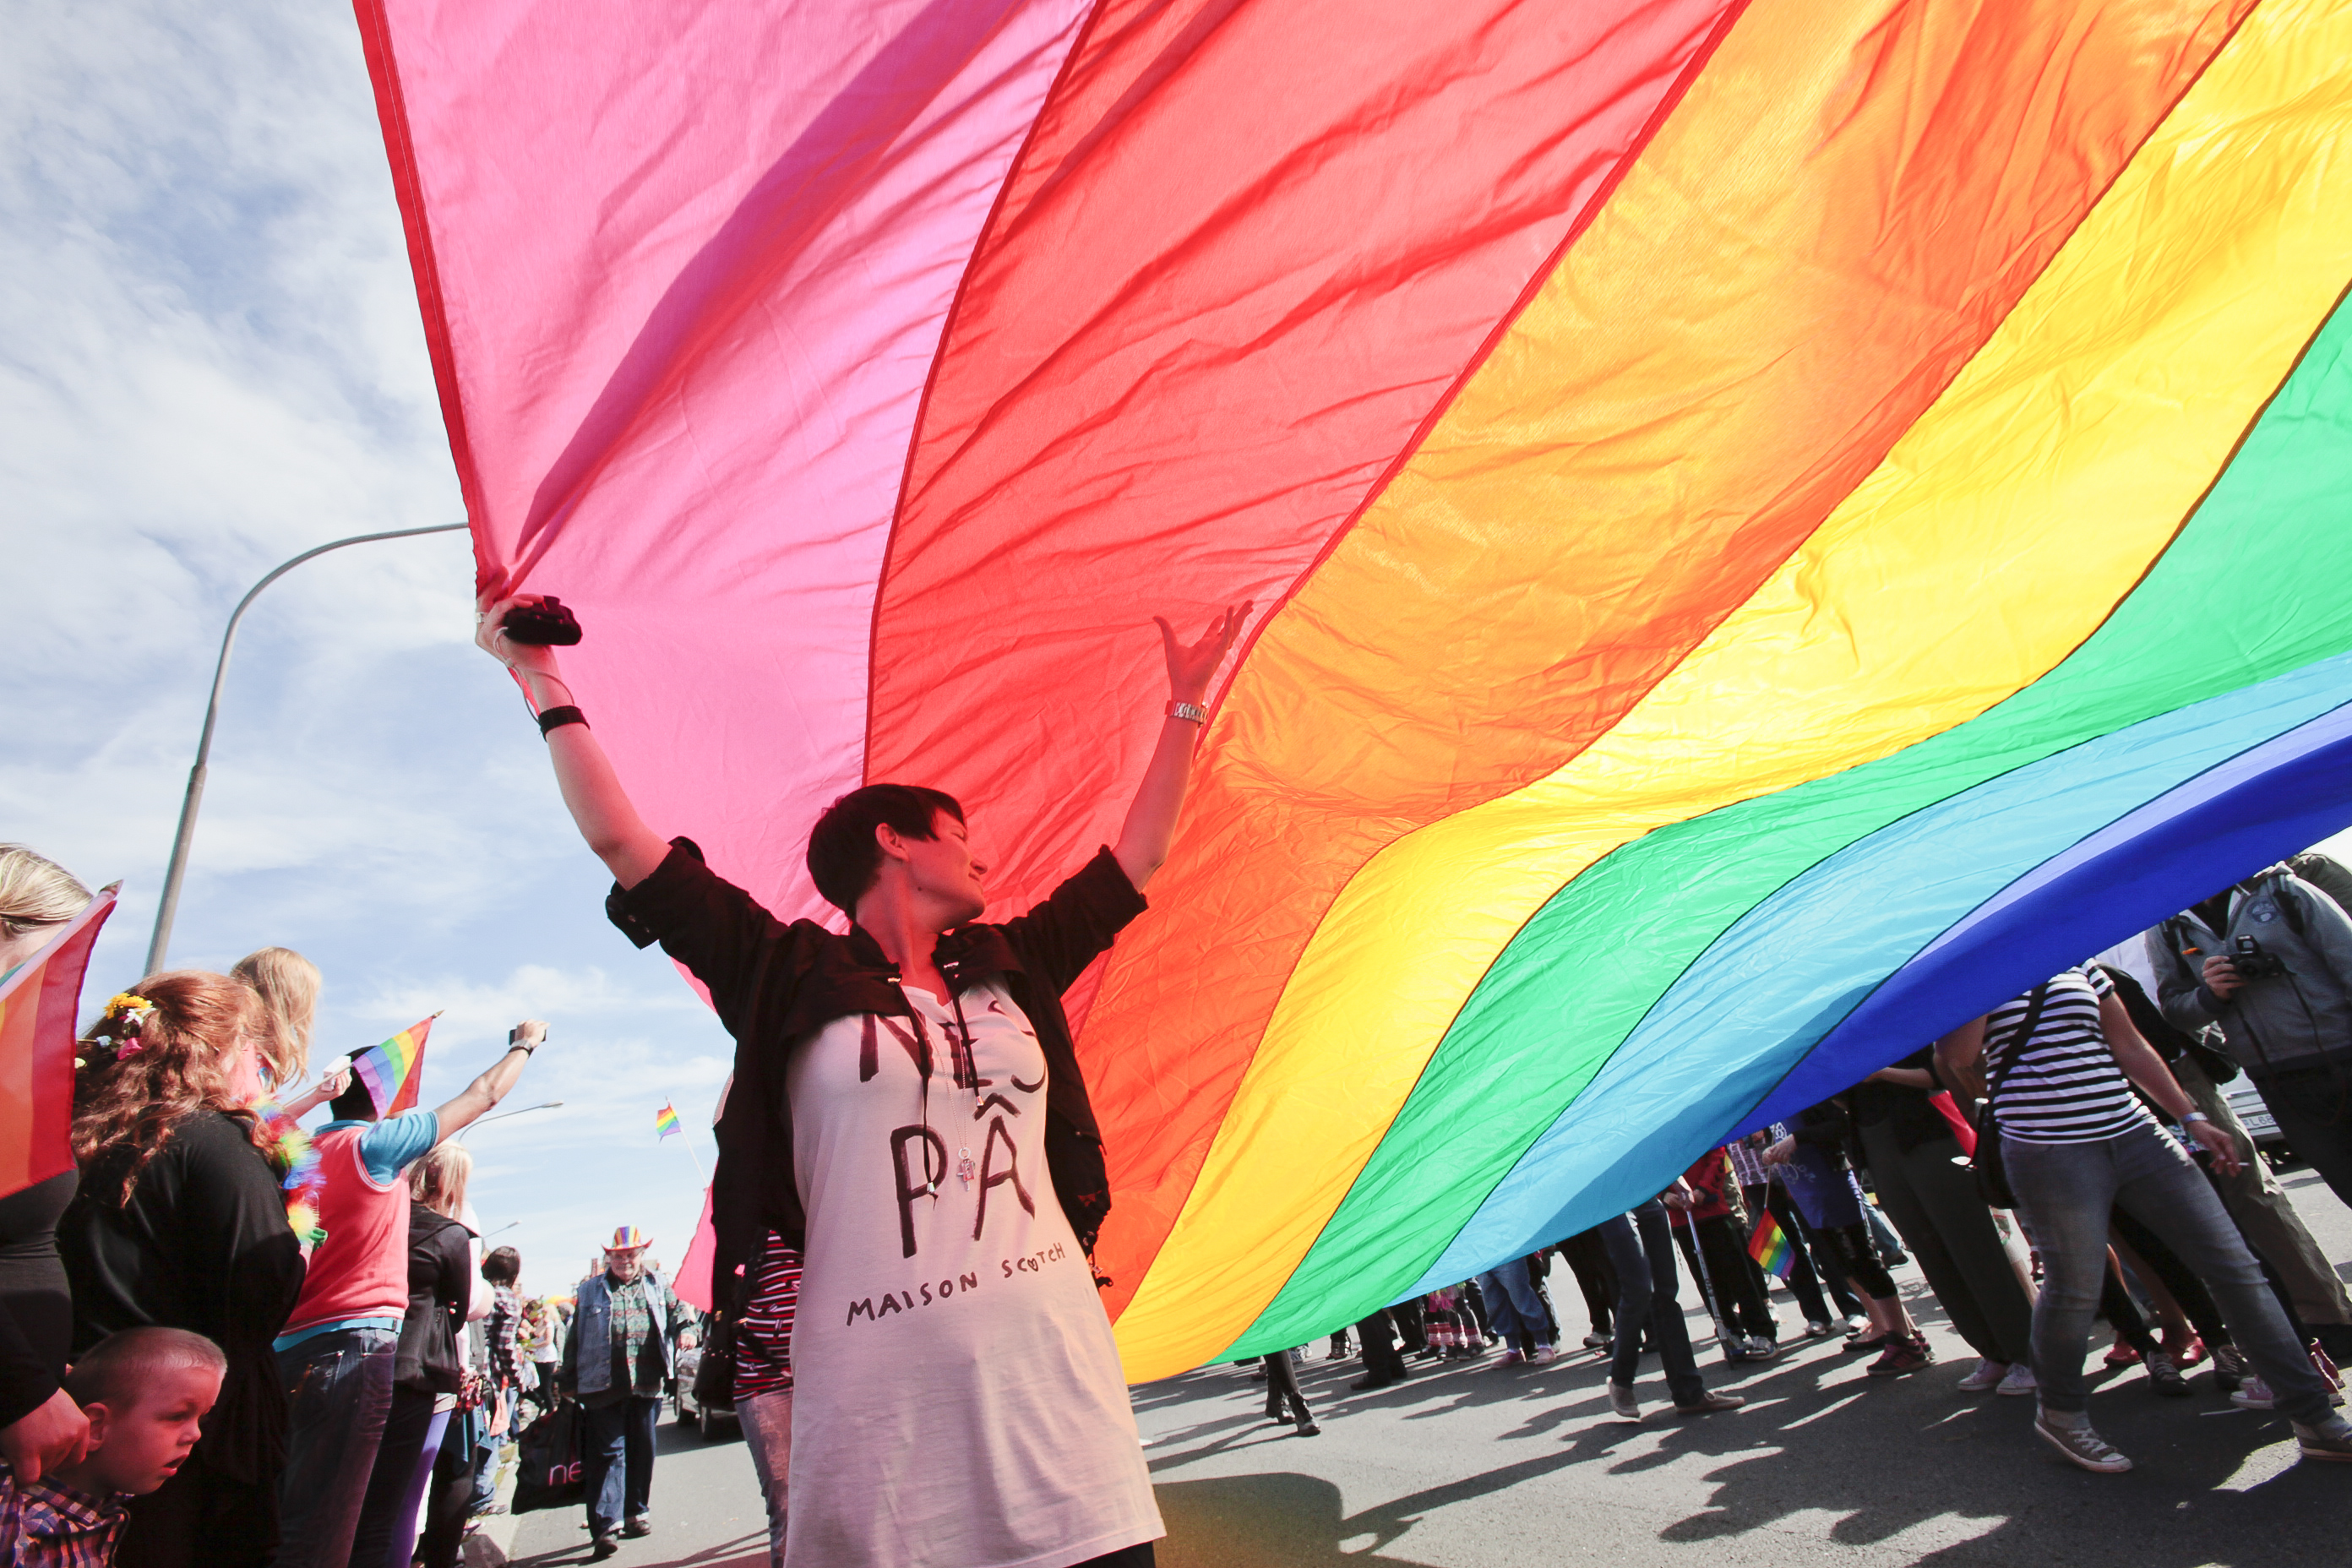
[{"x": 145, "y": 1392}]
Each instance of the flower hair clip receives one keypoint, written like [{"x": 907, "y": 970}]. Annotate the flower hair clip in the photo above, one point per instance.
[{"x": 125, "y": 1020}]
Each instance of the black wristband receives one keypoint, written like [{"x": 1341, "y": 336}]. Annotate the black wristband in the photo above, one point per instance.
[{"x": 553, "y": 719}]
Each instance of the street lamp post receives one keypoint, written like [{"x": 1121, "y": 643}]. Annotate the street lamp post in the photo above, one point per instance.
[
  {"x": 170, "y": 905},
  {"x": 501, "y": 1116}
]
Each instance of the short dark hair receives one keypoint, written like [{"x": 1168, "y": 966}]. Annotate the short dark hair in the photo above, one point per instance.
[
  {"x": 110, "y": 1371},
  {"x": 844, "y": 858},
  {"x": 503, "y": 1265},
  {"x": 354, "y": 1104}
]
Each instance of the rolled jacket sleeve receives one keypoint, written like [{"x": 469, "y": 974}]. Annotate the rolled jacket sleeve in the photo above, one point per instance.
[{"x": 719, "y": 932}]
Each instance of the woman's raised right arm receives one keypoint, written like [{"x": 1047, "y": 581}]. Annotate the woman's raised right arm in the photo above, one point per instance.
[{"x": 592, "y": 790}]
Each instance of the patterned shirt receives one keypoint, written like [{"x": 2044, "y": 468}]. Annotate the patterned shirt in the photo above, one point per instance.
[
  {"x": 2063, "y": 1085},
  {"x": 44, "y": 1525},
  {"x": 633, "y": 1331}
]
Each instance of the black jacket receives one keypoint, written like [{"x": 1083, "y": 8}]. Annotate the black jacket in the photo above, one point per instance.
[
  {"x": 440, "y": 1294},
  {"x": 35, "y": 1302},
  {"x": 775, "y": 984},
  {"x": 203, "y": 1243}
]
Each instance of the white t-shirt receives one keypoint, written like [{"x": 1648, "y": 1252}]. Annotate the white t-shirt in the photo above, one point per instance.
[{"x": 958, "y": 1400}]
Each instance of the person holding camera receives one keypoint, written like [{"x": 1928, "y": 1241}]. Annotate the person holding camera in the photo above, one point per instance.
[
  {"x": 2266, "y": 1216},
  {"x": 2270, "y": 961},
  {"x": 2058, "y": 1066},
  {"x": 907, "y": 1112}
]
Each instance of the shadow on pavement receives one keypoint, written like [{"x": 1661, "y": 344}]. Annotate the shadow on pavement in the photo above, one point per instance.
[
  {"x": 745, "y": 1551},
  {"x": 1279, "y": 1521},
  {"x": 1879, "y": 1457}
]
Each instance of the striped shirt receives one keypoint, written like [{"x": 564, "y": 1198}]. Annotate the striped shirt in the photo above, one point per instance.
[
  {"x": 763, "y": 1341},
  {"x": 2064, "y": 1086}
]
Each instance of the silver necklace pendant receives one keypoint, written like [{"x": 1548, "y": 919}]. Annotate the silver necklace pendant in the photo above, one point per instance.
[{"x": 965, "y": 1168}]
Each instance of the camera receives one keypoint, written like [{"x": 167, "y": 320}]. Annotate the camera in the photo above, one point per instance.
[
  {"x": 544, "y": 625},
  {"x": 2247, "y": 957}
]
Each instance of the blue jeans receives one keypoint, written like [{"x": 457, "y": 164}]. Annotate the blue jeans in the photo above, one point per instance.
[
  {"x": 767, "y": 1422},
  {"x": 338, "y": 1390},
  {"x": 2064, "y": 1193},
  {"x": 1512, "y": 1305},
  {"x": 1641, "y": 1251},
  {"x": 616, "y": 1459}
]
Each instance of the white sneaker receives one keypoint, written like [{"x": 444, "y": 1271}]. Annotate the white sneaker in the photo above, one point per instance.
[
  {"x": 1986, "y": 1375},
  {"x": 2019, "y": 1381},
  {"x": 2253, "y": 1394},
  {"x": 1543, "y": 1353}
]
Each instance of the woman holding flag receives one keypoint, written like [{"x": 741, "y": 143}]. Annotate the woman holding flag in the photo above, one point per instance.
[
  {"x": 335, "y": 1358},
  {"x": 981, "y": 1419},
  {"x": 40, "y": 1425}
]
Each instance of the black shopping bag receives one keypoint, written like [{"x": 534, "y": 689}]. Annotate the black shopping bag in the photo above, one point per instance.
[{"x": 547, "y": 1462}]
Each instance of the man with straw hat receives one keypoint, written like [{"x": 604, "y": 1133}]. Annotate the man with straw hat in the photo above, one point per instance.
[{"x": 616, "y": 1359}]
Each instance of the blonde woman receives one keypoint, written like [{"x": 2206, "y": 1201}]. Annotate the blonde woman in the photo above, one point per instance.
[
  {"x": 40, "y": 1425},
  {"x": 37, "y": 896},
  {"x": 288, "y": 985}
]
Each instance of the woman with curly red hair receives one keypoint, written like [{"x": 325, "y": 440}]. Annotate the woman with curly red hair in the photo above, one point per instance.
[{"x": 180, "y": 1223}]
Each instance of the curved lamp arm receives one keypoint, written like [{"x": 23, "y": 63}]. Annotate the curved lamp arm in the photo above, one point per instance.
[{"x": 170, "y": 904}]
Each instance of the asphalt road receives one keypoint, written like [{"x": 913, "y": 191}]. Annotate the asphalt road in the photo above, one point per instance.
[{"x": 1482, "y": 1466}]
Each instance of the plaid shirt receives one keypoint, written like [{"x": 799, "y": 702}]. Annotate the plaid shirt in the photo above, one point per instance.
[
  {"x": 505, "y": 1314},
  {"x": 44, "y": 1525}
]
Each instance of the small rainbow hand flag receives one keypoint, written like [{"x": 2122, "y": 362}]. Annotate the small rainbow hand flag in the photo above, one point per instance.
[
  {"x": 665, "y": 1122},
  {"x": 394, "y": 1072},
  {"x": 1772, "y": 1247}
]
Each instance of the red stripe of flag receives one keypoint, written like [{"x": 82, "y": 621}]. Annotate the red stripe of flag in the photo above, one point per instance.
[{"x": 38, "y": 1004}]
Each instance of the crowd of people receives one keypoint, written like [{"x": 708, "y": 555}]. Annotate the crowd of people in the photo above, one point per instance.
[
  {"x": 255, "y": 1322},
  {"x": 2104, "y": 1175},
  {"x": 231, "y": 1341}
]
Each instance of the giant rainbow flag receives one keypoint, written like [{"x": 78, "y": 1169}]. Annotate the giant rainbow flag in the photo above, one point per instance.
[{"x": 1775, "y": 525}]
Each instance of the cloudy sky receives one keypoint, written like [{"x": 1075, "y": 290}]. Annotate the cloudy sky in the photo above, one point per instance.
[{"x": 210, "y": 360}]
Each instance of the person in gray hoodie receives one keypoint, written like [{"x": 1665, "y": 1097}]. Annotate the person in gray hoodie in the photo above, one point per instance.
[{"x": 2269, "y": 960}]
